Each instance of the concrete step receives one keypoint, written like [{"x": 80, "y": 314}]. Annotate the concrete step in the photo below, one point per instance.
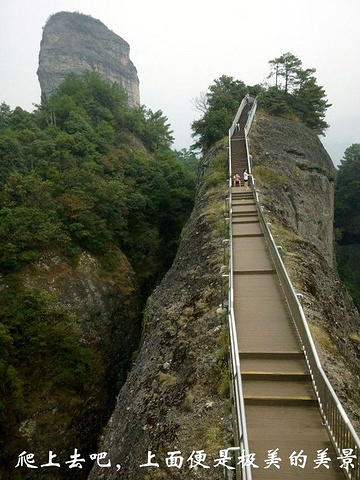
[
  {"x": 237, "y": 214},
  {"x": 263, "y": 271},
  {"x": 247, "y": 235},
  {"x": 278, "y": 354},
  {"x": 284, "y": 364},
  {"x": 243, "y": 201},
  {"x": 296, "y": 376},
  {"x": 278, "y": 400},
  {"x": 278, "y": 388},
  {"x": 245, "y": 220},
  {"x": 246, "y": 228},
  {"x": 239, "y": 206}
]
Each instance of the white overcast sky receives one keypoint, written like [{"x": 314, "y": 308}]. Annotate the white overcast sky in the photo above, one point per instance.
[{"x": 179, "y": 49}]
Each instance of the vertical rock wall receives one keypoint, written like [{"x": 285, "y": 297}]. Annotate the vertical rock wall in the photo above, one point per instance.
[
  {"x": 74, "y": 43},
  {"x": 176, "y": 396},
  {"x": 295, "y": 179},
  {"x": 299, "y": 174}
]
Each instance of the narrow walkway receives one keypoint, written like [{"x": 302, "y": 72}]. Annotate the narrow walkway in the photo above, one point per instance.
[{"x": 281, "y": 410}]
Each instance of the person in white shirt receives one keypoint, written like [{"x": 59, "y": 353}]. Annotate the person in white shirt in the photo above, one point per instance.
[{"x": 246, "y": 176}]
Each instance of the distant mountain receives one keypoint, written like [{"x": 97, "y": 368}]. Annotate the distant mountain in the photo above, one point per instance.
[{"x": 74, "y": 43}]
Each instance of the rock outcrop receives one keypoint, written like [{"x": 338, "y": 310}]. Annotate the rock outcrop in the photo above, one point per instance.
[
  {"x": 298, "y": 171},
  {"x": 170, "y": 402},
  {"x": 74, "y": 43},
  {"x": 295, "y": 178},
  {"x": 176, "y": 396},
  {"x": 103, "y": 308}
]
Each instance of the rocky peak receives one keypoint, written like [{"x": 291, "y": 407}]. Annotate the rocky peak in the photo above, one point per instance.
[
  {"x": 74, "y": 43},
  {"x": 298, "y": 176}
]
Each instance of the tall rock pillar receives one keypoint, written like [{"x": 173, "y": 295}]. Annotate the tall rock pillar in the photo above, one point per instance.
[{"x": 74, "y": 43}]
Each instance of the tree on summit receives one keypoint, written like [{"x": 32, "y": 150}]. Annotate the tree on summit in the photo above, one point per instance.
[
  {"x": 295, "y": 93},
  {"x": 218, "y": 107},
  {"x": 285, "y": 68}
]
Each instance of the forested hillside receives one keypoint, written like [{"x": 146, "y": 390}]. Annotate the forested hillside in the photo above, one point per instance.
[
  {"x": 347, "y": 220},
  {"x": 73, "y": 178},
  {"x": 82, "y": 173}
]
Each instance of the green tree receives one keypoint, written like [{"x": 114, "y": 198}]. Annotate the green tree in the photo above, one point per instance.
[
  {"x": 347, "y": 220},
  {"x": 285, "y": 69},
  {"x": 28, "y": 220},
  {"x": 275, "y": 101},
  {"x": 226, "y": 92},
  {"x": 211, "y": 128},
  {"x": 295, "y": 93},
  {"x": 11, "y": 154},
  {"x": 153, "y": 129},
  {"x": 309, "y": 102},
  {"x": 347, "y": 196},
  {"x": 87, "y": 95},
  {"x": 5, "y": 115},
  {"x": 218, "y": 106}
]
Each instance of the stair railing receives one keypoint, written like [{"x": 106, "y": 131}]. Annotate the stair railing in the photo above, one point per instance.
[
  {"x": 338, "y": 425},
  {"x": 240, "y": 431},
  {"x": 340, "y": 429}
]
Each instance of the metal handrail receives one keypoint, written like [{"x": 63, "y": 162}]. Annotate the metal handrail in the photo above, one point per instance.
[
  {"x": 247, "y": 130},
  {"x": 340, "y": 429},
  {"x": 241, "y": 432},
  {"x": 241, "y": 438},
  {"x": 341, "y": 432}
]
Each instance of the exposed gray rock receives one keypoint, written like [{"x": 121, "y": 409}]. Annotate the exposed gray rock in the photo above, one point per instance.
[
  {"x": 172, "y": 399},
  {"x": 74, "y": 43},
  {"x": 169, "y": 402},
  {"x": 300, "y": 175},
  {"x": 296, "y": 184}
]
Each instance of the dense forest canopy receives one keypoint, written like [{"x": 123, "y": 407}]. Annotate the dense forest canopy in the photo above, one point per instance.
[
  {"x": 70, "y": 178},
  {"x": 347, "y": 220},
  {"x": 83, "y": 172},
  {"x": 295, "y": 95}
]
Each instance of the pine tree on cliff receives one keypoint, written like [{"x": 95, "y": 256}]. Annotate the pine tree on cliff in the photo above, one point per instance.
[{"x": 295, "y": 93}]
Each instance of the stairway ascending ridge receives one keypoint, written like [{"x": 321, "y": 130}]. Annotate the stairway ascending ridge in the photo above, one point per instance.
[{"x": 281, "y": 409}]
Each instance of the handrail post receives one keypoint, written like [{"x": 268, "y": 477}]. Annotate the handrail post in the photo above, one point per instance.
[
  {"x": 341, "y": 432},
  {"x": 334, "y": 416},
  {"x": 240, "y": 440}
]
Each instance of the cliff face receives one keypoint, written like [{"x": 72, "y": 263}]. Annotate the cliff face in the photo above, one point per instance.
[
  {"x": 105, "y": 304},
  {"x": 295, "y": 178},
  {"x": 74, "y": 43},
  {"x": 103, "y": 312},
  {"x": 170, "y": 401},
  {"x": 300, "y": 175},
  {"x": 176, "y": 396}
]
